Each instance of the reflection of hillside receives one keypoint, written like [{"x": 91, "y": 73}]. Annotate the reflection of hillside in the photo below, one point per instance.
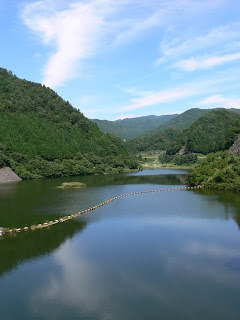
[
  {"x": 229, "y": 199},
  {"x": 7, "y": 189},
  {"x": 168, "y": 179},
  {"x": 31, "y": 245},
  {"x": 237, "y": 220}
]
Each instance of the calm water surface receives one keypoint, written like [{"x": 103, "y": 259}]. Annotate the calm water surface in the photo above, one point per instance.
[{"x": 170, "y": 255}]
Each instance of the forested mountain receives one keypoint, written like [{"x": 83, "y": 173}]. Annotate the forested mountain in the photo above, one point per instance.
[
  {"x": 166, "y": 134},
  {"x": 213, "y": 131},
  {"x": 131, "y": 128},
  {"x": 43, "y": 135},
  {"x": 184, "y": 120},
  {"x": 160, "y": 140}
]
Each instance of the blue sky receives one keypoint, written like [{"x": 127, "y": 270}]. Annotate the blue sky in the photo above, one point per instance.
[{"x": 124, "y": 58}]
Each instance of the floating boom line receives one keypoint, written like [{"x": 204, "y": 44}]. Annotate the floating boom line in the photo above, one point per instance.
[{"x": 47, "y": 224}]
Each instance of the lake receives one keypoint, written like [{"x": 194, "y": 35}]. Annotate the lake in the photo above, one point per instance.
[{"x": 167, "y": 255}]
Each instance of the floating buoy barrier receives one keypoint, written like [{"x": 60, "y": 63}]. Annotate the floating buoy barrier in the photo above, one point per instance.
[{"x": 47, "y": 224}]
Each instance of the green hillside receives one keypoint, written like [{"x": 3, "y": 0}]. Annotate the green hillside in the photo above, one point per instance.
[
  {"x": 160, "y": 140},
  {"x": 213, "y": 132},
  {"x": 185, "y": 119},
  {"x": 43, "y": 135},
  {"x": 131, "y": 128},
  {"x": 218, "y": 171}
]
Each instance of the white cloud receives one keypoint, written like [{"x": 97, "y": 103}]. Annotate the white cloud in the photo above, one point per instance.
[
  {"x": 75, "y": 33},
  {"x": 220, "y": 101},
  {"x": 213, "y": 40},
  {"x": 194, "y": 64}
]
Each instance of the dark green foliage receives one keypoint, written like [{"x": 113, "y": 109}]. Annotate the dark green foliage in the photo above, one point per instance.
[
  {"x": 218, "y": 171},
  {"x": 214, "y": 131},
  {"x": 157, "y": 141},
  {"x": 41, "y": 135},
  {"x": 133, "y": 127},
  {"x": 185, "y": 159}
]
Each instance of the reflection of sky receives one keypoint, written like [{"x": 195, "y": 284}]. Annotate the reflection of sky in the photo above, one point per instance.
[{"x": 116, "y": 264}]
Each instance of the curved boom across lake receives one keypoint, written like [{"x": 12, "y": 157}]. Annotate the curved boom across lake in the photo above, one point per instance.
[{"x": 6, "y": 231}]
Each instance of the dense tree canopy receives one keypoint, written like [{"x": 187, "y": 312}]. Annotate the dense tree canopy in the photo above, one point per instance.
[
  {"x": 220, "y": 170},
  {"x": 156, "y": 141},
  {"x": 213, "y": 131},
  {"x": 42, "y": 135}
]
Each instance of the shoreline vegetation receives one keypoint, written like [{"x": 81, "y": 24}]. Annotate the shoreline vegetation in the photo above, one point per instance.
[{"x": 219, "y": 171}]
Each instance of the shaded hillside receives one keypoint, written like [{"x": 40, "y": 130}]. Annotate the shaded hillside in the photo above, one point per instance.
[
  {"x": 133, "y": 127},
  {"x": 160, "y": 140},
  {"x": 215, "y": 130},
  {"x": 212, "y": 132},
  {"x": 185, "y": 119},
  {"x": 43, "y": 135}
]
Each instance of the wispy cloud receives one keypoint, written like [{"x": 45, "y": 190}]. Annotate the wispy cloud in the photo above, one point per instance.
[
  {"x": 176, "y": 48},
  {"x": 194, "y": 64},
  {"x": 202, "y": 51},
  {"x": 191, "y": 90},
  {"x": 160, "y": 97},
  {"x": 162, "y": 14},
  {"x": 220, "y": 101}
]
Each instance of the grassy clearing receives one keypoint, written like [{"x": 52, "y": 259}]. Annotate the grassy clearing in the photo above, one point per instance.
[
  {"x": 150, "y": 160},
  {"x": 72, "y": 185}
]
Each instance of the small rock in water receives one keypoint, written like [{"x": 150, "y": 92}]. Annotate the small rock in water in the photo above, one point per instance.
[{"x": 73, "y": 185}]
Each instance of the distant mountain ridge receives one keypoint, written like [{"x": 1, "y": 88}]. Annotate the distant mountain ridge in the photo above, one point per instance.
[
  {"x": 131, "y": 128},
  {"x": 185, "y": 119},
  {"x": 214, "y": 130}
]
